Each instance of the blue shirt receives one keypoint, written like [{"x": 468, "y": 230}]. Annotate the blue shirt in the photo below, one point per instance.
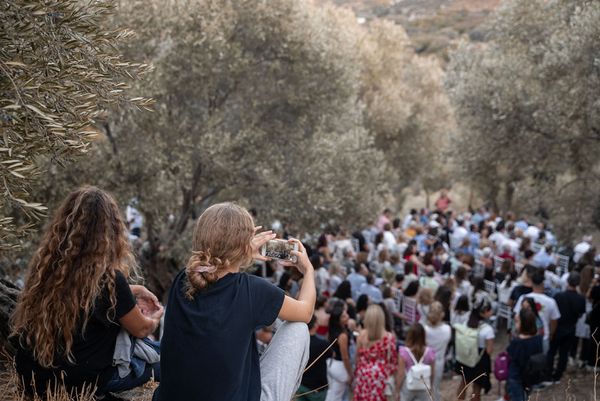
[
  {"x": 208, "y": 350},
  {"x": 356, "y": 281}
]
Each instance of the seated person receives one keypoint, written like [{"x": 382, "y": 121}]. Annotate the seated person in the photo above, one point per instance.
[
  {"x": 209, "y": 349},
  {"x": 76, "y": 302}
]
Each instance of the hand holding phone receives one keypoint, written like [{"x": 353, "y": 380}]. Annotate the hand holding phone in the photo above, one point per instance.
[{"x": 280, "y": 249}]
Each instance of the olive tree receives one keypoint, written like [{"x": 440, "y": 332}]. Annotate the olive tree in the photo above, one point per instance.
[{"x": 527, "y": 105}]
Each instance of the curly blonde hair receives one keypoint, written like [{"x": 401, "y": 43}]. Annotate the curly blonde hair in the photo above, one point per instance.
[
  {"x": 222, "y": 238},
  {"x": 80, "y": 252}
]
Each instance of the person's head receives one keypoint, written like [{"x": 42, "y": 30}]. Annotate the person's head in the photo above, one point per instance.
[
  {"x": 429, "y": 271},
  {"x": 411, "y": 289},
  {"x": 285, "y": 281},
  {"x": 428, "y": 258},
  {"x": 387, "y": 212},
  {"x": 425, "y": 296},
  {"x": 370, "y": 279},
  {"x": 322, "y": 241},
  {"x": 363, "y": 270},
  {"x": 409, "y": 268},
  {"x": 529, "y": 303},
  {"x": 83, "y": 247},
  {"x": 222, "y": 241},
  {"x": 338, "y": 319},
  {"x": 506, "y": 266},
  {"x": 415, "y": 340},
  {"x": 362, "y": 303},
  {"x": 443, "y": 295},
  {"x": 461, "y": 274},
  {"x": 320, "y": 302},
  {"x": 399, "y": 280},
  {"x": 462, "y": 304},
  {"x": 537, "y": 280},
  {"x": 386, "y": 292},
  {"x": 312, "y": 325},
  {"x": 383, "y": 256},
  {"x": 335, "y": 269},
  {"x": 528, "y": 254},
  {"x": 436, "y": 313},
  {"x": 387, "y": 227},
  {"x": 573, "y": 280},
  {"x": 526, "y": 323},
  {"x": 344, "y": 290},
  {"x": 481, "y": 310},
  {"x": 374, "y": 322}
]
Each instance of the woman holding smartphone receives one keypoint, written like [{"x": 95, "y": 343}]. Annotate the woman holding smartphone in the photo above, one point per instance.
[{"x": 208, "y": 348}]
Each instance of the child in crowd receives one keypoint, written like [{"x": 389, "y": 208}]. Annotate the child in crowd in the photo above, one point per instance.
[{"x": 527, "y": 343}]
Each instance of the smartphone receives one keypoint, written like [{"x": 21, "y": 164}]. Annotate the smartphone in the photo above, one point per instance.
[{"x": 279, "y": 249}]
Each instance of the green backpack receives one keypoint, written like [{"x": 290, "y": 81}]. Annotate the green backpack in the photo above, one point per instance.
[{"x": 465, "y": 343}]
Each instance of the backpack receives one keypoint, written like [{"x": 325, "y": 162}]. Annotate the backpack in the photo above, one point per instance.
[
  {"x": 501, "y": 364},
  {"x": 467, "y": 348},
  {"x": 535, "y": 370},
  {"x": 418, "y": 377}
]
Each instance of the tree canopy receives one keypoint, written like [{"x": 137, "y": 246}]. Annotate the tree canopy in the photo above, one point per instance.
[
  {"x": 59, "y": 71},
  {"x": 527, "y": 105}
]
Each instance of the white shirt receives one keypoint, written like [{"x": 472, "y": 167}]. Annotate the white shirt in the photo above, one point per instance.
[
  {"x": 547, "y": 309},
  {"x": 579, "y": 250},
  {"x": 504, "y": 290},
  {"x": 134, "y": 218},
  {"x": 532, "y": 233},
  {"x": 458, "y": 236},
  {"x": 498, "y": 239},
  {"x": 513, "y": 245},
  {"x": 485, "y": 333},
  {"x": 438, "y": 338},
  {"x": 389, "y": 239}
]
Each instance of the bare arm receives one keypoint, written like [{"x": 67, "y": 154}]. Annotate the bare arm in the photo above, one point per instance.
[
  {"x": 301, "y": 309},
  {"x": 343, "y": 342},
  {"x": 400, "y": 374},
  {"x": 489, "y": 346},
  {"x": 139, "y": 325}
]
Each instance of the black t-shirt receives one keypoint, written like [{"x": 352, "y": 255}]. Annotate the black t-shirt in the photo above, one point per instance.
[
  {"x": 571, "y": 306},
  {"x": 93, "y": 350},
  {"x": 208, "y": 349},
  {"x": 316, "y": 376},
  {"x": 520, "y": 350},
  {"x": 518, "y": 291}
]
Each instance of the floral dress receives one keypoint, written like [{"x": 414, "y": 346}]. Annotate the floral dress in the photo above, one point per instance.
[{"x": 373, "y": 367}]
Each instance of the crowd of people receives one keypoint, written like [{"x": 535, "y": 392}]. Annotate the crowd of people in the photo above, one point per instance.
[
  {"x": 381, "y": 313},
  {"x": 435, "y": 288}
]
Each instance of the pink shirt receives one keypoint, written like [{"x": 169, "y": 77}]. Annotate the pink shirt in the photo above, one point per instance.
[{"x": 428, "y": 360}]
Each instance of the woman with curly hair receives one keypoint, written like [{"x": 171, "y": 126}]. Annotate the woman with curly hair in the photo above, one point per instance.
[
  {"x": 76, "y": 301},
  {"x": 209, "y": 348}
]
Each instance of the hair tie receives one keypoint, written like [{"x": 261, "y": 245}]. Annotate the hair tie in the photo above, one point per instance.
[{"x": 203, "y": 269}]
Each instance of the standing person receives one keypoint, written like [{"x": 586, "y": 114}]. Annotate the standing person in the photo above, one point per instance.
[
  {"x": 478, "y": 375},
  {"x": 571, "y": 305},
  {"x": 438, "y": 336},
  {"x": 76, "y": 300},
  {"x": 415, "y": 351},
  {"x": 214, "y": 310},
  {"x": 521, "y": 348},
  {"x": 376, "y": 358},
  {"x": 314, "y": 380},
  {"x": 545, "y": 306},
  {"x": 134, "y": 219},
  {"x": 357, "y": 278},
  {"x": 371, "y": 290},
  {"x": 383, "y": 219},
  {"x": 339, "y": 368},
  {"x": 443, "y": 202}
]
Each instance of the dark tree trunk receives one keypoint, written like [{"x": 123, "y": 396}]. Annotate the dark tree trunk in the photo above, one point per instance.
[{"x": 8, "y": 300}]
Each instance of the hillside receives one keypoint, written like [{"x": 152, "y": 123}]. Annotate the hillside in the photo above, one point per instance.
[{"x": 433, "y": 25}]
